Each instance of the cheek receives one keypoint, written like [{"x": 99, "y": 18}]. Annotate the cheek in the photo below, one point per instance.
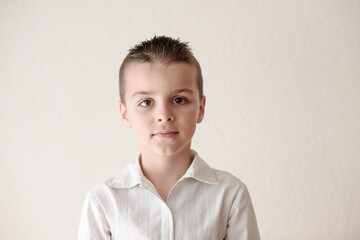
[
  {"x": 190, "y": 120},
  {"x": 139, "y": 116},
  {"x": 139, "y": 122},
  {"x": 192, "y": 115}
]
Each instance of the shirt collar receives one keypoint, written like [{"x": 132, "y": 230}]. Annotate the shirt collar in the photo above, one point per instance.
[
  {"x": 201, "y": 171},
  {"x": 129, "y": 177},
  {"x": 132, "y": 175}
]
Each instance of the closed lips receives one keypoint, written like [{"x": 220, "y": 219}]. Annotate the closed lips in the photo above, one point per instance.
[{"x": 166, "y": 133}]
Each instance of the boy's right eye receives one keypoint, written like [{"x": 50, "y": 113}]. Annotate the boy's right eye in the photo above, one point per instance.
[{"x": 146, "y": 103}]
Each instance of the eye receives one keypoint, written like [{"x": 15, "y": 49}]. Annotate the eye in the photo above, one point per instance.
[
  {"x": 180, "y": 100},
  {"x": 146, "y": 103}
]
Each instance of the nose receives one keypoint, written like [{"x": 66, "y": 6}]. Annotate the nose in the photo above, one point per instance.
[
  {"x": 162, "y": 119},
  {"x": 165, "y": 114}
]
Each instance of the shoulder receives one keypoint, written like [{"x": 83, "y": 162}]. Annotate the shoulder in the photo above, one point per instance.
[
  {"x": 228, "y": 179},
  {"x": 128, "y": 178},
  {"x": 204, "y": 172},
  {"x": 101, "y": 187},
  {"x": 234, "y": 189},
  {"x": 99, "y": 192}
]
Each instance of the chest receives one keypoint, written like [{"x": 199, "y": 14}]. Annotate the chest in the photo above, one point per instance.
[{"x": 196, "y": 211}]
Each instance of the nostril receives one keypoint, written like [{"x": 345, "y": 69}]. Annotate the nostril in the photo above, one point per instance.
[{"x": 169, "y": 118}]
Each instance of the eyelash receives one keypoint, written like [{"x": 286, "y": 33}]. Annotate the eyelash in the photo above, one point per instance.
[
  {"x": 146, "y": 100},
  {"x": 184, "y": 100},
  {"x": 151, "y": 102}
]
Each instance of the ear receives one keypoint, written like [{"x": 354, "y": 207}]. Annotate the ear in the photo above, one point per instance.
[
  {"x": 201, "y": 110},
  {"x": 124, "y": 114}
]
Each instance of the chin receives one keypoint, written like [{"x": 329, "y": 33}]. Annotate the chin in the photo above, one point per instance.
[{"x": 170, "y": 151}]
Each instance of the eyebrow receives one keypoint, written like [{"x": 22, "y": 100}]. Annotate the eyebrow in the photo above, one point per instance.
[
  {"x": 187, "y": 90},
  {"x": 142, "y": 93}
]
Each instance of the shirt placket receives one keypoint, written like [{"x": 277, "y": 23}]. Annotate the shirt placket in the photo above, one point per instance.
[{"x": 167, "y": 223}]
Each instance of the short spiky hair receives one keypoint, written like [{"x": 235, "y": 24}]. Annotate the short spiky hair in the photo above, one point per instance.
[{"x": 160, "y": 49}]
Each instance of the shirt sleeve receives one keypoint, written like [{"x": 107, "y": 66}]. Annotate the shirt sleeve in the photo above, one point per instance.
[
  {"x": 93, "y": 223},
  {"x": 242, "y": 221}
]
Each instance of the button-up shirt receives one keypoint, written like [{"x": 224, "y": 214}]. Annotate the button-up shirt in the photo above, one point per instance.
[{"x": 204, "y": 204}]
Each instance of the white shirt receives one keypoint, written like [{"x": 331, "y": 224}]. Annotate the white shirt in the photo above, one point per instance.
[{"x": 204, "y": 204}]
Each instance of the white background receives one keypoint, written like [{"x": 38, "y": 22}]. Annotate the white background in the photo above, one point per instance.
[{"x": 283, "y": 107}]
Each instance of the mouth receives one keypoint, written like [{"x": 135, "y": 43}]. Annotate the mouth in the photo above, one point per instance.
[{"x": 165, "y": 134}]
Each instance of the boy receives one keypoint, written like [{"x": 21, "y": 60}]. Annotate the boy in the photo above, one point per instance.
[{"x": 169, "y": 192}]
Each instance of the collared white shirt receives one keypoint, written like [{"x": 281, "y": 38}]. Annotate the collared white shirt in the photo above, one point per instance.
[{"x": 204, "y": 204}]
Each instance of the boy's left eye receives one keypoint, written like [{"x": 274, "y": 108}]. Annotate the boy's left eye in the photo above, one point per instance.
[{"x": 180, "y": 100}]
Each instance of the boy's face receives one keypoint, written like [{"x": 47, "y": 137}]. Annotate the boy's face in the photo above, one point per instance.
[{"x": 162, "y": 106}]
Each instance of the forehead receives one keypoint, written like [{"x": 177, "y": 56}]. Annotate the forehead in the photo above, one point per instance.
[{"x": 154, "y": 76}]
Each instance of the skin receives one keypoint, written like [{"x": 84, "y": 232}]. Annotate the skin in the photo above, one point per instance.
[{"x": 163, "y": 107}]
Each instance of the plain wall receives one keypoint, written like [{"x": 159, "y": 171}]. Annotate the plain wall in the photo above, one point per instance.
[{"x": 282, "y": 80}]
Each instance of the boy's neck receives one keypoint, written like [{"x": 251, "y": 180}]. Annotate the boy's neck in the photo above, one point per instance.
[{"x": 164, "y": 171}]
